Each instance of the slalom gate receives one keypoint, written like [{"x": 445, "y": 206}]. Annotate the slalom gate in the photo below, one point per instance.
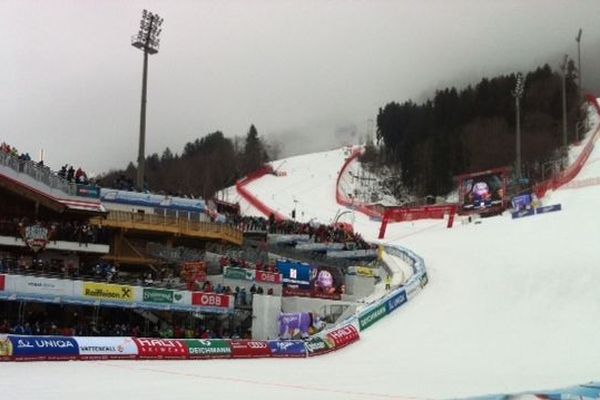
[{"x": 60, "y": 348}]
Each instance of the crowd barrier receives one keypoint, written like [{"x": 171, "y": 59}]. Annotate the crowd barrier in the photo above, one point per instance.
[
  {"x": 57, "y": 348},
  {"x": 568, "y": 174},
  {"x": 240, "y": 186}
]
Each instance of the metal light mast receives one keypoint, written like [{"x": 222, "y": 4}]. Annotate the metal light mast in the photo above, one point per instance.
[
  {"x": 148, "y": 41},
  {"x": 563, "y": 68},
  {"x": 517, "y": 94},
  {"x": 579, "y": 74}
]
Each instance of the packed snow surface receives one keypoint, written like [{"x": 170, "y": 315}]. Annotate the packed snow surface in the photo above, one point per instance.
[{"x": 512, "y": 305}]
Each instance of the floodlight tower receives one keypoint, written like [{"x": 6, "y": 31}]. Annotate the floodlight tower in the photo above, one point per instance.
[
  {"x": 563, "y": 68},
  {"x": 148, "y": 41},
  {"x": 517, "y": 94},
  {"x": 579, "y": 75}
]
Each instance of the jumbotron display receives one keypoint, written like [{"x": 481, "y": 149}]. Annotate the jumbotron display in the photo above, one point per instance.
[{"x": 483, "y": 191}]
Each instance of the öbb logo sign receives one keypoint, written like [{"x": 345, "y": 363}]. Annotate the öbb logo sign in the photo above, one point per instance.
[{"x": 210, "y": 300}]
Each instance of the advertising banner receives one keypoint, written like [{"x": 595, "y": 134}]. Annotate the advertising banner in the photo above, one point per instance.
[
  {"x": 287, "y": 348},
  {"x": 317, "y": 346},
  {"x": 90, "y": 191},
  {"x": 250, "y": 349},
  {"x": 211, "y": 300},
  {"x": 268, "y": 277},
  {"x": 42, "y": 286},
  {"x": 205, "y": 348},
  {"x": 366, "y": 272},
  {"x": 395, "y": 301},
  {"x": 547, "y": 209},
  {"x": 236, "y": 273},
  {"x": 293, "y": 325},
  {"x": 106, "y": 348},
  {"x": 294, "y": 273},
  {"x": 292, "y": 292},
  {"x": 343, "y": 336},
  {"x": 43, "y": 348},
  {"x": 157, "y": 296},
  {"x": 372, "y": 316},
  {"x": 161, "y": 348},
  {"x": 521, "y": 202},
  {"x": 104, "y": 291},
  {"x": 523, "y": 213},
  {"x": 2, "y": 282},
  {"x": 6, "y": 349}
]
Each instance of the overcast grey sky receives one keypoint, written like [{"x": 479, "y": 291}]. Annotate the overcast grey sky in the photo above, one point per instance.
[{"x": 299, "y": 70}]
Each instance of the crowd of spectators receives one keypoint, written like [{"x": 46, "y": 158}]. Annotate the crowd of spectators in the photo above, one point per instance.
[
  {"x": 319, "y": 233},
  {"x": 72, "y": 231},
  {"x": 241, "y": 263},
  {"x": 69, "y": 173}
]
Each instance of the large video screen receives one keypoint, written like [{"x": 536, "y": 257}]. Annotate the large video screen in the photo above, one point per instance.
[{"x": 483, "y": 192}]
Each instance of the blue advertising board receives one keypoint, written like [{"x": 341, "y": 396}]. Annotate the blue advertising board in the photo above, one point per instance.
[
  {"x": 294, "y": 273},
  {"x": 287, "y": 348},
  {"x": 523, "y": 213},
  {"x": 547, "y": 209},
  {"x": 43, "y": 347},
  {"x": 395, "y": 301},
  {"x": 521, "y": 202}
]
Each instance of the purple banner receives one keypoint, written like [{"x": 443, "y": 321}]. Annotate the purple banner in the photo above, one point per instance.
[{"x": 294, "y": 325}]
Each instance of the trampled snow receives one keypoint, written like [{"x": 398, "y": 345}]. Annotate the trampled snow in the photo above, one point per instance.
[{"x": 512, "y": 305}]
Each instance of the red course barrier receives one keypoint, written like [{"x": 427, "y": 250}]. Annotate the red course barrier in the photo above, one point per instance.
[
  {"x": 568, "y": 174},
  {"x": 240, "y": 186}
]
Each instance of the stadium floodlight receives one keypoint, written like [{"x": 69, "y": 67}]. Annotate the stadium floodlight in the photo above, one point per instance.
[
  {"x": 517, "y": 94},
  {"x": 579, "y": 73},
  {"x": 147, "y": 40},
  {"x": 564, "y": 67}
]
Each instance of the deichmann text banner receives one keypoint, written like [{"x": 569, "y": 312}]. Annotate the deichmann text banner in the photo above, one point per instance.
[
  {"x": 25, "y": 348},
  {"x": 208, "y": 348},
  {"x": 103, "y": 291},
  {"x": 372, "y": 316},
  {"x": 161, "y": 348},
  {"x": 106, "y": 348}
]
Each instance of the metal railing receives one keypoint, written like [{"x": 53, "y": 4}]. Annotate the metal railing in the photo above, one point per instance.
[
  {"x": 39, "y": 173},
  {"x": 170, "y": 224}
]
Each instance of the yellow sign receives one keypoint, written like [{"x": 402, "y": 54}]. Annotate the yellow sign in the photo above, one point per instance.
[
  {"x": 364, "y": 271},
  {"x": 102, "y": 291}
]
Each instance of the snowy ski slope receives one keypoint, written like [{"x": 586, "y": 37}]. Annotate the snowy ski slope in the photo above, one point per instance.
[{"x": 512, "y": 305}]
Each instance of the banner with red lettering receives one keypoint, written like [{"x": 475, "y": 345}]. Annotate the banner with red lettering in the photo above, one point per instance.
[
  {"x": 211, "y": 300},
  {"x": 343, "y": 336},
  {"x": 250, "y": 349},
  {"x": 268, "y": 277},
  {"x": 296, "y": 292},
  {"x": 166, "y": 349}
]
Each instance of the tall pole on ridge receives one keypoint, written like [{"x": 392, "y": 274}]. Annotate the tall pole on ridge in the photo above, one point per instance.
[
  {"x": 148, "y": 41},
  {"x": 579, "y": 74},
  {"x": 517, "y": 94},
  {"x": 563, "y": 68}
]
